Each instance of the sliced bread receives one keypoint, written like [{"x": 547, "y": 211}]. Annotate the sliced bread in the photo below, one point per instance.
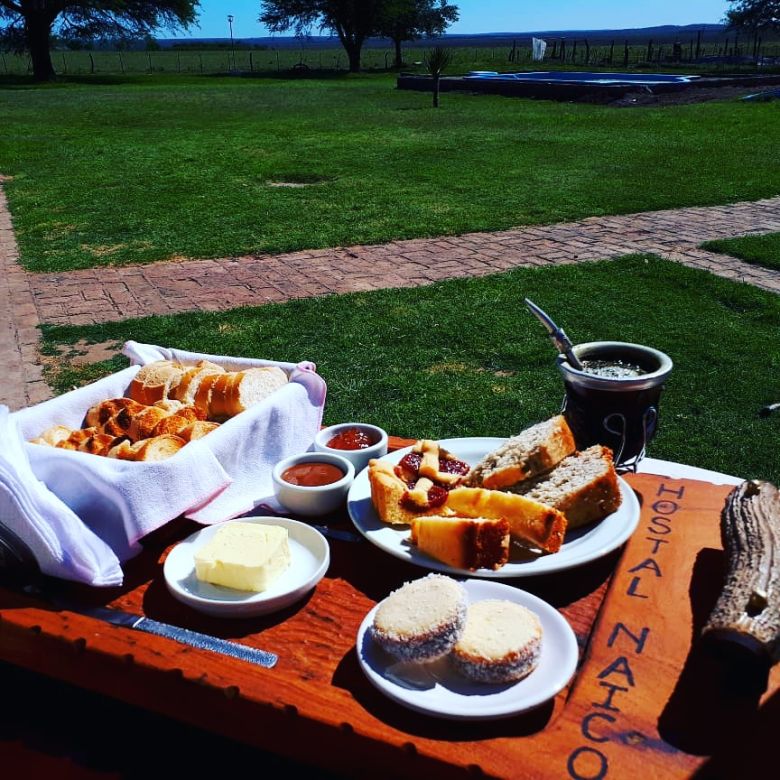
[
  {"x": 156, "y": 448},
  {"x": 102, "y": 412},
  {"x": 252, "y": 386},
  {"x": 583, "y": 486},
  {"x": 197, "y": 430},
  {"x": 532, "y": 452},
  {"x": 153, "y": 381},
  {"x": 54, "y": 435},
  {"x": 186, "y": 387}
]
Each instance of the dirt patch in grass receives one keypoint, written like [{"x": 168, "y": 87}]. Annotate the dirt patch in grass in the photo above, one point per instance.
[
  {"x": 83, "y": 352},
  {"x": 686, "y": 96}
]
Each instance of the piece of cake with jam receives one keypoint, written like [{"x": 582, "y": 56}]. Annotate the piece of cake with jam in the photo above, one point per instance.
[{"x": 417, "y": 485}]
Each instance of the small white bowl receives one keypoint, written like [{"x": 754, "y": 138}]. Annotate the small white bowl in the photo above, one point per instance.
[
  {"x": 311, "y": 501},
  {"x": 358, "y": 458}
]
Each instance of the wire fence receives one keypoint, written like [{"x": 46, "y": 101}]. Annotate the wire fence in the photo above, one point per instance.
[{"x": 562, "y": 53}]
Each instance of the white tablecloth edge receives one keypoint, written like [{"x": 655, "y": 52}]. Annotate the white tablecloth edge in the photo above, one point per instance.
[{"x": 666, "y": 468}]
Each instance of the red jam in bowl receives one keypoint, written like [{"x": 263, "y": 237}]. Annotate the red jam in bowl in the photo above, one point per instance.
[
  {"x": 351, "y": 439},
  {"x": 312, "y": 474}
]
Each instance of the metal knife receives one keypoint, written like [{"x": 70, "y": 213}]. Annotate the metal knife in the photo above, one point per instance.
[{"x": 184, "y": 635}]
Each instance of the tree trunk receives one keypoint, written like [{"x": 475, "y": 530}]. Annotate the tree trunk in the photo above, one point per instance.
[
  {"x": 353, "y": 53},
  {"x": 399, "y": 62},
  {"x": 37, "y": 29}
]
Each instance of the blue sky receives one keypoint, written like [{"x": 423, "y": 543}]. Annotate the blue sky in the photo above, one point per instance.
[{"x": 501, "y": 15}]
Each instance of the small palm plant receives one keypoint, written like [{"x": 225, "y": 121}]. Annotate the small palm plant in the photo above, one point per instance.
[{"x": 436, "y": 60}]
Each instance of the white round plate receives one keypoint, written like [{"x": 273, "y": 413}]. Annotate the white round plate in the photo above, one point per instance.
[
  {"x": 437, "y": 689},
  {"x": 309, "y": 560},
  {"x": 580, "y": 545}
]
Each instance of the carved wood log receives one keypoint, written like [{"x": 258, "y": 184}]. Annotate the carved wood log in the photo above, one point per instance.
[{"x": 747, "y": 614}]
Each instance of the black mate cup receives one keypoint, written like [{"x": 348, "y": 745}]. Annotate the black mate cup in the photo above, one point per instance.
[{"x": 620, "y": 410}]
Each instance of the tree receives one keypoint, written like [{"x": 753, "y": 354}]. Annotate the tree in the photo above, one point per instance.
[
  {"x": 755, "y": 14},
  {"x": 436, "y": 62},
  {"x": 352, "y": 20},
  {"x": 409, "y": 20},
  {"x": 33, "y": 22}
]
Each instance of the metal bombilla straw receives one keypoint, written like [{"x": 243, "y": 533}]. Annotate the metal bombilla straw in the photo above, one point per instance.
[{"x": 559, "y": 338}]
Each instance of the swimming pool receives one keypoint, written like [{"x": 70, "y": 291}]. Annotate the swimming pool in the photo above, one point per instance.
[{"x": 577, "y": 77}]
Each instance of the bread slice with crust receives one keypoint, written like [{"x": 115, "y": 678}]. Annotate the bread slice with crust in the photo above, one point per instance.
[
  {"x": 197, "y": 430},
  {"x": 99, "y": 444},
  {"x": 54, "y": 435},
  {"x": 530, "y": 522},
  {"x": 186, "y": 387},
  {"x": 532, "y": 452},
  {"x": 583, "y": 486},
  {"x": 77, "y": 438},
  {"x": 156, "y": 448},
  {"x": 153, "y": 381},
  {"x": 252, "y": 386},
  {"x": 101, "y": 413}
]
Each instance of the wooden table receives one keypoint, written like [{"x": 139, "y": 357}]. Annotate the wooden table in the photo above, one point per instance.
[{"x": 647, "y": 698}]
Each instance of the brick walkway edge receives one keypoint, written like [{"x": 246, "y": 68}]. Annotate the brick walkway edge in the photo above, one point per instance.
[{"x": 117, "y": 293}]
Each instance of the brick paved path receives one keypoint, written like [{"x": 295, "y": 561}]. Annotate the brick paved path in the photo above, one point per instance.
[{"x": 103, "y": 294}]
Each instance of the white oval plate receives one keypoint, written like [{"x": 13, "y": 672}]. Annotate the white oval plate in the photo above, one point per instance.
[
  {"x": 309, "y": 554},
  {"x": 580, "y": 546},
  {"x": 437, "y": 689}
]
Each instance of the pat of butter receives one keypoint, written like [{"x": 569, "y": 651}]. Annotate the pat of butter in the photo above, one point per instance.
[{"x": 244, "y": 556}]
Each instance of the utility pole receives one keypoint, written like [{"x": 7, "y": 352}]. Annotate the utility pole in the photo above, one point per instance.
[{"x": 232, "y": 48}]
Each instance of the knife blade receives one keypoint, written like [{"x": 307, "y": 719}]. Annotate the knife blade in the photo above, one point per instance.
[{"x": 186, "y": 636}]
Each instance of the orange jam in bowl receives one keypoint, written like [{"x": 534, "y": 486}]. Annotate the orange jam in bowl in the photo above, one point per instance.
[{"x": 312, "y": 474}]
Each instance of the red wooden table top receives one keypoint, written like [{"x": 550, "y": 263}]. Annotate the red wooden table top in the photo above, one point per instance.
[{"x": 646, "y": 697}]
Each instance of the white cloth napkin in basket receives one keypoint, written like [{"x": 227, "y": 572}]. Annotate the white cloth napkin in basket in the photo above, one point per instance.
[
  {"x": 62, "y": 544},
  {"x": 221, "y": 476}
]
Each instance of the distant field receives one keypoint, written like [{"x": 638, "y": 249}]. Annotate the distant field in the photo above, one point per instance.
[
  {"x": 131, "y": 169},
  {"x": 501, "y": 55}
]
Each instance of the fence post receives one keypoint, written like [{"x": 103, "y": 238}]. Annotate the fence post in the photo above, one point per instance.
[
  {"x": 121, "y": 63},
  {"x": 278, "y": 68},
  {"x": 611, "y": 51},
  {"x": 650, "y": 50},
  {"x": 251, "y": 63},
  {"x": 587, "y": 51},
  {"x": 149, "y": 58},
  {"x": 91, "y": 62},
  {"x": 64, "y": 65},
  {"x": 574, "y": 53},
  {"x": 178, "y": 62},
  {"x": 625, "y": 55},
  {"x": 200, "y": 59}
]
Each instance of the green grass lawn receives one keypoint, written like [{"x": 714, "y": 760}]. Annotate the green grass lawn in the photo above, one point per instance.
[
  {"x": 466, "y": 358},
  {"x": 759, "y": 250},
  {"x": 147, "y": 168}
]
